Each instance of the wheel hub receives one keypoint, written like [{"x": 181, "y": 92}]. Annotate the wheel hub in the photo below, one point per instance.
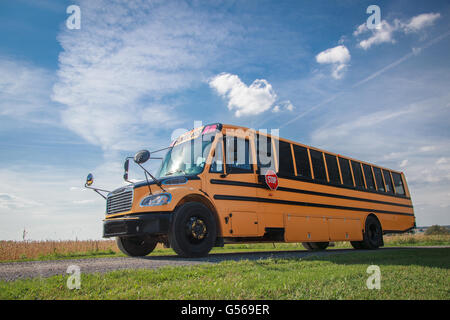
[{"x": 197, "y": 228}]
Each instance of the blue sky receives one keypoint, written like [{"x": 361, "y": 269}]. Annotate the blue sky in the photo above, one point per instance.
[{"x": 79, "y": 101}]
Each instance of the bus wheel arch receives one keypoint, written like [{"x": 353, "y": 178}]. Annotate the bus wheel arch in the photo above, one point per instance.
[{"x": 372, "y": 234}]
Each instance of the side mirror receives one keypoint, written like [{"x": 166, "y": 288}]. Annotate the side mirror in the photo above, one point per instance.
[
  {"x": 89, "y": 179},
  {"x": 125, "y": 168},
  {"x": 142, "y": 156}
]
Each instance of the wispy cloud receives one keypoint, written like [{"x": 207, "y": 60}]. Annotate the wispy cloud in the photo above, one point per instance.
[
  {"x": 24, "y": 89},
  {"x": 116, "y": 72},
  {"x": 419, "y": 22},
  {"x": 380, "y": 35},
  {"x": 384, "y": 33}
]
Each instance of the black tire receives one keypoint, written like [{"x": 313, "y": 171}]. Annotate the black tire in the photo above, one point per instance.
[
  {"x": 138, "y": 246},
  {"x": 193, "y": 230},
  {"x": 356, "y": 244},
  {"x": 315, "y": 246},
  {"x": 373, "y": 234}
]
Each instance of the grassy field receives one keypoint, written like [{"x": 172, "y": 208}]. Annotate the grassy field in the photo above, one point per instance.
[
  {"x": 405, "y": 274},
  {"x": 50, "y": 250}
]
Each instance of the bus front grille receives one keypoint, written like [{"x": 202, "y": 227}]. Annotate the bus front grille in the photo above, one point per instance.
[{"x": 119, "y": 202}]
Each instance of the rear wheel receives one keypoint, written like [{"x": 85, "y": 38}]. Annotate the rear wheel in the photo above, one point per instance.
[
  {"x": 193, "y": 231},
  {"x": 356, "y": 244},
  {"x": 373, "y": 235},
  {"x": 315, "y": 246},
  {"x": 136, "y": 246}
]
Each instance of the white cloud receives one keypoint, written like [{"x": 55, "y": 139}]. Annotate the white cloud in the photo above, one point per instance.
[
  {"x": 339, "y": 54},
  {"x": 421, "y": 21},
  {"x": 360, "y": 29},
  {"x": 116, "y": 71},
  {"x": 338, "y": 57},
  {"x": 404, "y": 163},
  {"x": 285, "y": 105},
  {"x": 379, "y": 35},
  {"x": 385, "y": 31},
  {"x": 11, "y": 201},
  {"x": 288, "y": 105},
  {"x": 246, "y": 100}
]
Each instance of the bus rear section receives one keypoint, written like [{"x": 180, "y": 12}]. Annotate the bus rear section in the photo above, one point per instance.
[
  {"x": 320, "y": 196},
  {"x": 222, "y": 184}
]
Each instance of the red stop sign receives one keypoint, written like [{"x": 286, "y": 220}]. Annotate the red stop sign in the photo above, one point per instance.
[{"x": 271, "y": 179}]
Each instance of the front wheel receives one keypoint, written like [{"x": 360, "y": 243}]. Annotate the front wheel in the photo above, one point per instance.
[
  {"x": 136, "y": 246},
  {"x": 193, "y": 231}
]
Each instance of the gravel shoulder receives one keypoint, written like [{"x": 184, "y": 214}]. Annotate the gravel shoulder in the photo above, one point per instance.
[{"x": 41, "y": 269}]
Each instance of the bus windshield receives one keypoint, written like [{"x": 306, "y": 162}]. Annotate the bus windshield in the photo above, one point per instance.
[{"x": 188, "y": 157}]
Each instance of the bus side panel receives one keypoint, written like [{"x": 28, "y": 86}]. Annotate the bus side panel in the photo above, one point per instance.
[
  {"x": 244, "y": 223},
  {"x": 305, "y": 228},
  {"x": 345, "y": 229},
  {"x": 395, "y": 222}
]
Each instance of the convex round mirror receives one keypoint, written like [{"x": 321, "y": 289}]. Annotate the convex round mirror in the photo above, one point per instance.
[
  {"x": 89, "y": 179},
  {"x": 142, "y": 156}
]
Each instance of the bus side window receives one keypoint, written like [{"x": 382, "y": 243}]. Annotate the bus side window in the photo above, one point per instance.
[
  {"x": 302, "y": 161},
  {"x": 285, "y": 161},
  {"x": 369, "y": 177},
  {"x": 357, "y": 173},
  {"x": 346, "y": 173},
  {"x": 237, "y": 155},
  {"x": 398, "y": 183},
  {"x": 217, "y": 161},
  {"x": 378, "y": 179},
  {"x": 318, "y": 165},
  {"x": 333, "y": 170},
  {"x": 388, "y": 181},
  {"x": 265, "y": 156}
]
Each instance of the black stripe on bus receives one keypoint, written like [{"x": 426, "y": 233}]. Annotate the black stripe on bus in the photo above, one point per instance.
[
  {"x": 304, "y": 204},
  {"x": 315, "y": 193},
  {"x": 338, "y": 185}
]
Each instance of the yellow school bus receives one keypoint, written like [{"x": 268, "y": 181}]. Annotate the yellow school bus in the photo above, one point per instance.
[{"x": 222, "y": 184}]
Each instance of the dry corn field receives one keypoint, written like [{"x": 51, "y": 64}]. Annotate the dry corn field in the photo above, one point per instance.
[
  {"x": 17, "y": 250},
  {"x": 20, "y": 250}
]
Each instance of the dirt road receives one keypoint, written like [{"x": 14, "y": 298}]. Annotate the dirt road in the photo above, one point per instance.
[{"x": 31, "y": 269}]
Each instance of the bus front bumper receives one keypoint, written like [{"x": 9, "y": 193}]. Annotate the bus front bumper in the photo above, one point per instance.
[{"x": 136, "y": 225}]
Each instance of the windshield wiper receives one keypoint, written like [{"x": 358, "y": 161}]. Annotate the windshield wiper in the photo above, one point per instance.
[{"x": 175, "y": 171}]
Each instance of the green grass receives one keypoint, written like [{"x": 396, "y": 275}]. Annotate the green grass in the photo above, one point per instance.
[
  {"x": 405, "y": 274},
  {"x": 396, "y": 241}
]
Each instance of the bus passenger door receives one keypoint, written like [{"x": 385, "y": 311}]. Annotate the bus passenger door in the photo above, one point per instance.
[
  {"x": 269, "y": 212},
  {"x": 233, "y": 186}
]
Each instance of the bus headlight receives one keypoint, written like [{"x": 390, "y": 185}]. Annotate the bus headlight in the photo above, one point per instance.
[{"x": 156, "y": 200}]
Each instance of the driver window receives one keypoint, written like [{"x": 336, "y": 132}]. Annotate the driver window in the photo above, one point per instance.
[
  {"x": 237, "y": 154},
  {"x": 217, "y": 161}
]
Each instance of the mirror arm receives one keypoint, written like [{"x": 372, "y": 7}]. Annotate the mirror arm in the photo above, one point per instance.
[{"x": 97, "y": 190}]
